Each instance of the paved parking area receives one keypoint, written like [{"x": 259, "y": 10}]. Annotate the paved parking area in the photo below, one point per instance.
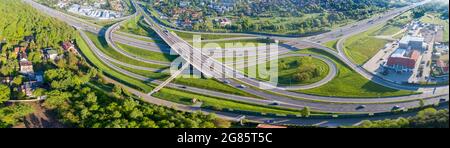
[{"x": 373, "y": 65}]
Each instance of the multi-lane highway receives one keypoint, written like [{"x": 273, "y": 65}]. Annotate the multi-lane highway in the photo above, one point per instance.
[{"x": 197, "y": 59}]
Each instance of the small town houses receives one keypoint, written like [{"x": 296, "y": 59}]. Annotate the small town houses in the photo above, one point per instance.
[{"x": 31, "y": 80}]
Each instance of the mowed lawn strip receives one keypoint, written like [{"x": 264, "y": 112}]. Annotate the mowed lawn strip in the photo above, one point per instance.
[
  {"x": 137, "y": 84},
  {"x": 212, "y": 84},
  {"x": 361, "y": 47},
  {"x": 101, "y": 44},
  {"x": 150, "y": 55},
  {"x": 331, "y": 44}
]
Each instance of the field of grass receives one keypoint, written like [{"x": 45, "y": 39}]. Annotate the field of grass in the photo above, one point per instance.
[
  {"x": 151, "y": 55},
  {"x": 433, "y": 18},
  {"x": 101, "y": 44},
  {"x": 361, "y": 47},
  {"x": 148, "y": 74},
  {"x": 105, "y": 69},
  {"x": 212, "y": 84},
  {"x": 331, "y": 44},
  {"x": 288, "y": 67},
  {"x": 137, "y": 26},
  {"x": 349, "y": 83},
  {"x": 388, "y": 30},
  {"x": 395, "y": 25}
]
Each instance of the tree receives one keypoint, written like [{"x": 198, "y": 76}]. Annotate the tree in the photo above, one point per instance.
[
  {"x": 421, "y": 103},
  {"x": 306, "y": 111},
  {"x": 117, "y": 90},
  {"x": 17, "y": 80},
  {"x": 5, "y": 93},
  {"x": 56, "y": 98},
  {"x": 10, "y": 115},
  {"x": 39, "y": 92}
]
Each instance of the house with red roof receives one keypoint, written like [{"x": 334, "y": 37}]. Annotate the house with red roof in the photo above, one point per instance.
[{"x": 403, "y": 60}]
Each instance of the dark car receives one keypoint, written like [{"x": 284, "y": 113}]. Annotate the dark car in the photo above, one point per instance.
[
  {"x": 242, "y": 86},
  {"x": 275, "y": 103},
  {"x": 395, "y": 108},
  {"x": 361, "y": 107},
  {"x": 269, "y": 121},
  {"x": 443, "y": 100}
]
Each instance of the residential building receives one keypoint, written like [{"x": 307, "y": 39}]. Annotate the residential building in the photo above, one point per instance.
[
  {"x": 69, "y": 47},
  {"x": 50, "y": 54},
  {"x": 26, "y": 67},
  {"x": 442, "y": 66},
  {"x": 6, "y": 80},
  {"x": 28, "y": 88}
]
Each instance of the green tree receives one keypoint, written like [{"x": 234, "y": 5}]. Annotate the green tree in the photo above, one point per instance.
[
  {"x": 306, "y": 112},
  {"x": 10, "y": 115},
  {"x": 5, "y": 93}
]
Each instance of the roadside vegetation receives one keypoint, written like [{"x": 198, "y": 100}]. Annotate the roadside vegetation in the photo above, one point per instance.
[
  {"x": 428, "y": 118},
  {"x": 332, "y": 45},
  {"x": 102, "y": 45},
  {"x": 361, "y": 47},
  {"x": 150, "y": 55}
]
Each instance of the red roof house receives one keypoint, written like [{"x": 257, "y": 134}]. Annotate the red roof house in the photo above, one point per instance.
[{"x": 404, "y": 58}]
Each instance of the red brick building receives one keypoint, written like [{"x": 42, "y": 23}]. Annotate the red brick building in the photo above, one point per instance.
[{"x": 403, "y": 60}]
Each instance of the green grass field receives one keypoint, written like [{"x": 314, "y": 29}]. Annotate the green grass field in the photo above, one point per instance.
[
  {"x": 388, "y": 30},
  {"x": 105, "y": 69},
  {"x": 331, "y": 44},
  {"x": 349, "y": 83},
  {"x": 288, "y": 67},
  {"x": 361, "y": 47},
  {"x": 395, "y": 25},
  {"x": 101, "y": 44},
  {"x": 150, "y": 55}
]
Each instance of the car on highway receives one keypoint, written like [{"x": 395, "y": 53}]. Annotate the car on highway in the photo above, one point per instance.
[
  {"x": 442, "y": 100},
  {"x": 397, "y": 108},
  {"x": 269, "y": 121},
  {"x": 275, "y": 103},
  {"x": 226, "y": 82},
  {"x": 361, "y": 107}
]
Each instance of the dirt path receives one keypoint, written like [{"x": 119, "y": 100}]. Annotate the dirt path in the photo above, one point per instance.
[{"x": 41, "y": 118}]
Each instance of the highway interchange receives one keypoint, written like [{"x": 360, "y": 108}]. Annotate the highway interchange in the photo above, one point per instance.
[{"x": 285, "y": 98}]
